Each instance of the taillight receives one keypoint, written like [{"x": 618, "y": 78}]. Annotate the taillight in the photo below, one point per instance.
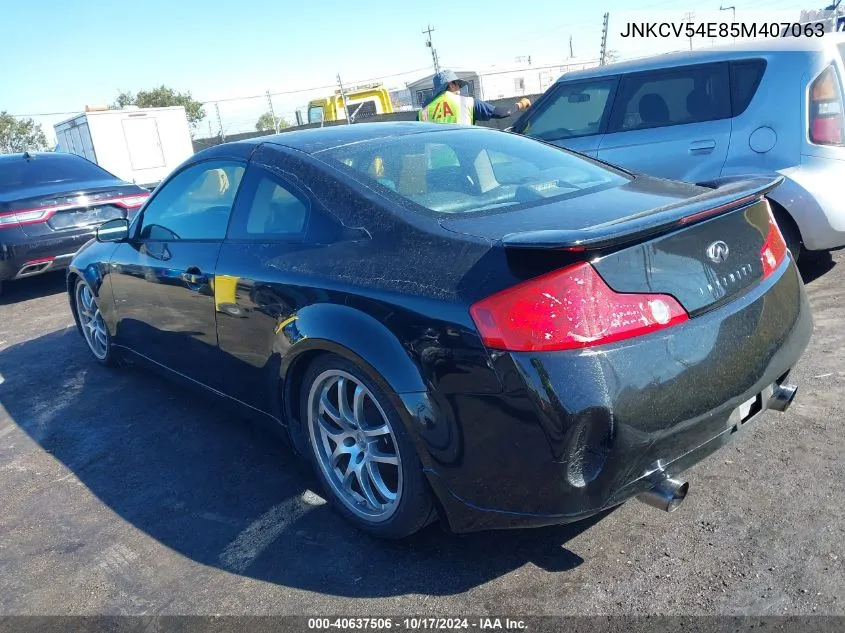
[
  {"x": 568, "y": 309},
  {"x": 42, "y": 214},
  {"x": 131, "y": 202},
  {"x": 826, "y": 113},
  {"x": 26, "y": 216},
  {"x": 774, "y": 248}
]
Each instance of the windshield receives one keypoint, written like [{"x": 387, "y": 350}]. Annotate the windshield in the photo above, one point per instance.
[
  {"x": 19, "y": 173},
  {"x": 473, "y": 170},
  {"x": 315, "y": 114}
]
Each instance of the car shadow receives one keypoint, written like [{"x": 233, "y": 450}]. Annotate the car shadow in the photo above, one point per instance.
[
  {"x": 45, "y": 285},
  {"x": 226, "y": 492},
  {"x": 814, "y": 264}
]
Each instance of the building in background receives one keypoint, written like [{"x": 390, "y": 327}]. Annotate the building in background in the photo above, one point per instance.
[{"x": 525, "y": 76}]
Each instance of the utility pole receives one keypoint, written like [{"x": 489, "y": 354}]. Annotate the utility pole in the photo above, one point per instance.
[
  {"x": 733, "y": 17},
  {"x": 343, "y": 96},
  {"x": 428, "y": 43},
  {"x": 273, "y": 113},
  {"x": 219, "y": 122},
  {"x": 603, "y": 56},
  {"x": 571, "y": 54},
  {"x": 689, "y": 17}
]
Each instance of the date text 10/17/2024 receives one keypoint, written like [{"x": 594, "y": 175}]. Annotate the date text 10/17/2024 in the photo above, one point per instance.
[
  {"x": 713, "y": 30},
  {"x": 417, "y": 624}
]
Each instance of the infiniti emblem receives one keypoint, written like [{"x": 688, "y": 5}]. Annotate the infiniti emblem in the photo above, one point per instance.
[{"x": 718, "y": 252}]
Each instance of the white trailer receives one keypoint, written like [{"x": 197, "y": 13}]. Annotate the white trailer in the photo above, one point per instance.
[{"x": 139, "y": 145}]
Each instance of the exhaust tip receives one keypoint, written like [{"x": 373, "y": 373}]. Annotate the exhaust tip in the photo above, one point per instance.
[
  {"x": 782, "y": 397},
  {"x": 668, "y": 495}
]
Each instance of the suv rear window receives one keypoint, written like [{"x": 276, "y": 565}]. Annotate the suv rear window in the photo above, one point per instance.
[
  {"x": 570, "y": 110},
  {"x": 41, "y": 169},
  {"x": 471, "y": 170},
  {"x": 745, "y": 79}
]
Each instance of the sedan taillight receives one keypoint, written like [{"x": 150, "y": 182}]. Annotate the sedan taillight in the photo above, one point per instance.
[
  {"x": 568, "y": 309},
  {"x": 42, "y": 214}
]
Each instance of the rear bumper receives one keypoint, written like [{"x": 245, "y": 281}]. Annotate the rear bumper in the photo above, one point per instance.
[
  {"x": 811, "y": 195},
  {"x": 24, "y": 256},
  {"x": 575, "y": 433}
]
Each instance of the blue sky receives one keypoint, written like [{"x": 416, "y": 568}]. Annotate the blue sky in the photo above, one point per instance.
[{"x": 58, "y": 56}]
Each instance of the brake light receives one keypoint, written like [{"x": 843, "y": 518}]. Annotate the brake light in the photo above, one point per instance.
[
  {"x": 131, "y": 202},
  {"x": 42, "y": 214},
  {"x": 826, "y": 112},
  {"x": 774, "y": 248},
  {"x": 568, "y": 309},
  {"x": 27, "y": 216}
]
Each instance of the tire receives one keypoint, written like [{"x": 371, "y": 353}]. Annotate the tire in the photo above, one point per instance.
[
  {"x": 361, "y": 452},
  {"x": 95, "y": 332}
]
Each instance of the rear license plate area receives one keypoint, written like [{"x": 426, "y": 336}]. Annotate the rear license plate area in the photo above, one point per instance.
[
  {"x": 78, "y": 218},
  {"x": 747, "y": 410}
]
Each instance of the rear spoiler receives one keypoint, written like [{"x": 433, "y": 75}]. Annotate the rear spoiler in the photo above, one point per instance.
[{"x": 635, "y": 227}]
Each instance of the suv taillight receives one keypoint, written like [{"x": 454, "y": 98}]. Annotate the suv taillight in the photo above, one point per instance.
[
  {"x": 774, "y": 248},
  {"x": 568, "y": 309},
  {"x": 826, "y": 112}
]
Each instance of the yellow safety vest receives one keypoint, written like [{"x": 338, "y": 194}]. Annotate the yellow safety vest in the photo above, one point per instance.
[{"x": 449, "y": 107}]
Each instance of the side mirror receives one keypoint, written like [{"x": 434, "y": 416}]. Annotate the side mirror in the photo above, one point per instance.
[{"x": 116, "y": 230}]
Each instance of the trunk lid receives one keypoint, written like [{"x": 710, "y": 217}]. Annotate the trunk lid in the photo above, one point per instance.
[
  {"x": 702, "y": 246},
  {"x": 86, "y": 205}
]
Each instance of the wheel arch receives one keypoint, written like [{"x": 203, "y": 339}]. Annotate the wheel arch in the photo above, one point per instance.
[{"x": 349, "y": 334}]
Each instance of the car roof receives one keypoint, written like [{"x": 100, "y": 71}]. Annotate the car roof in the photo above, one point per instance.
[
  {"x": 739, "y": 50},
  {"x": 315, "y": 140},
  {"x": 318, "y": 139},
  {"x": 40, "y": 155}
]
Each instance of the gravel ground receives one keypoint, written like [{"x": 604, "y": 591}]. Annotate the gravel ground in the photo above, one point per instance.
[{"x": 121, "y": 493}]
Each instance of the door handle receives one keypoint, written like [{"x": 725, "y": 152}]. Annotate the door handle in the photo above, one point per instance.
[
  {"x": 193, "y": 276},
  {"x": 702, "y": 147}
]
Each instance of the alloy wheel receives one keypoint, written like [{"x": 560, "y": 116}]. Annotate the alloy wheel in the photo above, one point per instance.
[
  {"x": 355, "y": 446},
  {"x": 93, "y": 325}
]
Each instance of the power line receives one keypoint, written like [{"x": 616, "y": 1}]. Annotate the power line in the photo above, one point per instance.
[
  {"x": 259, "y": 96},
  {"x": 313, "y": 88}
]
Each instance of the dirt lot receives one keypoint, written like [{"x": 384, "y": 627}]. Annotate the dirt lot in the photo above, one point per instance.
[{"x": 124, "y": 494}]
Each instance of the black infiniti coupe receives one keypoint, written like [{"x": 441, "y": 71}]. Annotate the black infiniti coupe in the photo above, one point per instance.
[{"x": 456, "y": 321}]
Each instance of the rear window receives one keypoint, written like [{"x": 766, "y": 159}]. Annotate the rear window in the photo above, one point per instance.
[
  {"x": 473, "y": 171},
  {"x": 745, "y": 79},
  {"x": 19, "y": 173}
]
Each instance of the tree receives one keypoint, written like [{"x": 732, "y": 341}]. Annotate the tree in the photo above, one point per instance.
[
  {"x": 163, "y": 97},
  {"x": 20, "y": 135},
  {"x": 265, "y": 123}
]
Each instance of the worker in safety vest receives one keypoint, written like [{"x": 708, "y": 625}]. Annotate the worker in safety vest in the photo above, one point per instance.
[{"x": 448, "y": 105}]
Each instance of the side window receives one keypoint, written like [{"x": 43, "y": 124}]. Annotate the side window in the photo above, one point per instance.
[
  {"x": 195, "y": 204},
  {"x": 745, "y": 79},
  {"x": 572, "y": 110},
  {"x": 687, "y": 95},
  {"x": 269, "y": 208}
]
